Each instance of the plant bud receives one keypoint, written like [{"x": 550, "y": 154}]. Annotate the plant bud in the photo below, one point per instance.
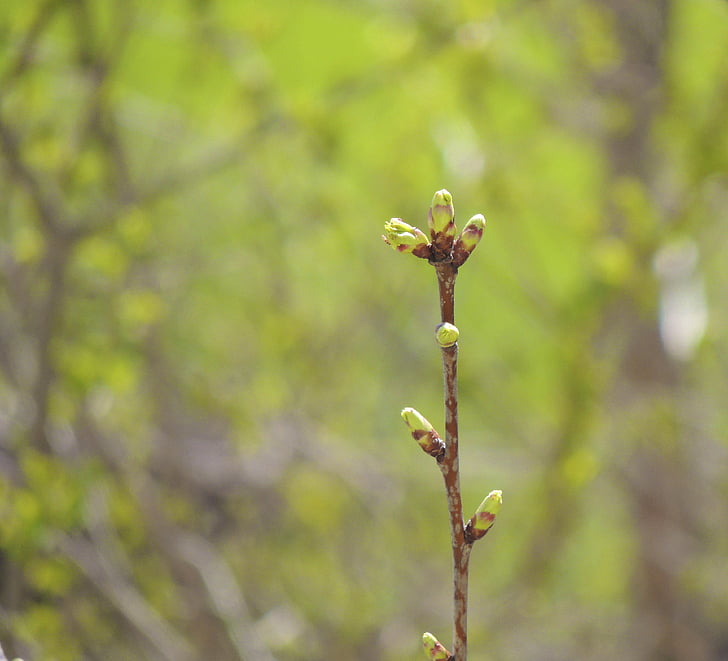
[
  {"x": 468, "y": 239},
  {"x": 484, "y": 518},
  {"x": 423, "y": 432},
  {"x": 404, "y": 237},
  {"x": 446, "y": 334},
  {"x": 442, "y": 214},
  {"x": 441, "y": 219},
  {"x": 434, "y": 649}
]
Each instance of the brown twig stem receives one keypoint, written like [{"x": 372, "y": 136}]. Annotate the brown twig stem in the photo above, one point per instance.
[{"x": 446, "y": 275}]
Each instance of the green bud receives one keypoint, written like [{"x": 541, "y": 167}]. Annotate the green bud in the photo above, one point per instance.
[
  {"x": 404, "y": 237},
  {"x": 446, "y": 334},
  {"x": 442, "y": 214},
  {"x": 441, "y": 220},
  {"x": 473, "y": 231},
  {"x": 484, "y": 518},
  {"x": 434, "y": 649},
  {"x": 468, "y": 239},
  {"x": 423, "y": 432},
  {"x": 415, "y": 420}
]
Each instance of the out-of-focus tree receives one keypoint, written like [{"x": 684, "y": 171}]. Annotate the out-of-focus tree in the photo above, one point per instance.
[{"x": 201, "y": 335}]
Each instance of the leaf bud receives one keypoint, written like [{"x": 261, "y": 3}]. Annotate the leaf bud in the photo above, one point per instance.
[
  {"x": 446, "y": 334},
  {"x": 468, "y": 239},
  {"x": 423, "y": 432},
  {"x": 442, "y": 214},
  {"x": 434, "y": 649},
  {"x": 404, "y": 237},
  {"x": 441, "y": 220},
  {"x": 484, "y": 518}
]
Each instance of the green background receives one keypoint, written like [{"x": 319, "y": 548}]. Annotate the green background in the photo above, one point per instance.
[{"x": 205, "y": 345}]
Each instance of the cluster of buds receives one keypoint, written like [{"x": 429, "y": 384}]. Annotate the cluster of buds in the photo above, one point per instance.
[
  {"x": 424, "y": 433},
  {"x": 445, "y": 244}
]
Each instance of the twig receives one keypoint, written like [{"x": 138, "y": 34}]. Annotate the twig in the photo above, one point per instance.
[
  {"x": 450, "y": 468},
  {"x": 111, "y": 583},
  {"x": 24, "y": 55},
  {"x": 447, "y": 253},
  {"x": 46, "y": 201}
]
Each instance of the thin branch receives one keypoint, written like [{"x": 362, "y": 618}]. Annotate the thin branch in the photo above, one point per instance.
[
  {"x": 47, "y": 204},
  {"x": 446, "y": 253},
  {"x": 98, "y": 121},
  {"x": 126, "y": 599},
  {"x": 58, "y": 253},
  {"x": 224, "y": 595},
  {"x": 26, "y": 50},
  {"x": 450, "y": 468}
]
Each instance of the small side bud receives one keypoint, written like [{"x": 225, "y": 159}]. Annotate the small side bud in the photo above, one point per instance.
[
  {"x": 441, "y": 220},
  {"x": 468, "y": 239},
  {"x": 434, "y": 649},
  {"x": 446, "y": 334},
  {"x": 405, "y": 238},
  {"x": 424, "y": 433},
  {"x": 484, "y": 518}
]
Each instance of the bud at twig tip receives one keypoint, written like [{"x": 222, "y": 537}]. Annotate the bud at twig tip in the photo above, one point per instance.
[
  {"x": 446, "y": 334},
  {"x": 434, "y": 649},
  {"x": 442, "y": 214}
]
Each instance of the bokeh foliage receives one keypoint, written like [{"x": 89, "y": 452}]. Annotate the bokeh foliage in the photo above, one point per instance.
[{"x": 204, "y": 345}]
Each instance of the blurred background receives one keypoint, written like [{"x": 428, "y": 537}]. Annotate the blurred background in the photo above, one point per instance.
[{"x": 205, "y": 345}]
